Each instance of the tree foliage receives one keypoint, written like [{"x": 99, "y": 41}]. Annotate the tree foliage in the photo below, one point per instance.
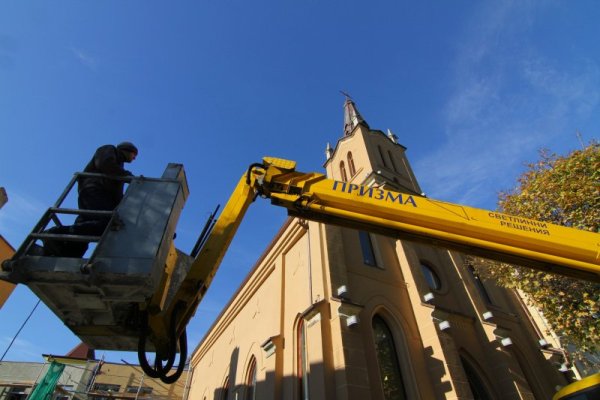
[{"x": 563, "y": 190}]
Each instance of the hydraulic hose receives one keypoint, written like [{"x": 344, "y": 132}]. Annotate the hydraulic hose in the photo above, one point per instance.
[
  {"x": 254, "y": 165},
  {"x": 182, "y": 358},
  {"x": 159, "y": 370},
  {"x": 148, "y": 370}
]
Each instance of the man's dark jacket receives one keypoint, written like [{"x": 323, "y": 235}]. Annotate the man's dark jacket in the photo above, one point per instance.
[{"x": 107, "y": 160}]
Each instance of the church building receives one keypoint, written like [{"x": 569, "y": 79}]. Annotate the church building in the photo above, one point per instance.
[{"x": 331, "y": 313}]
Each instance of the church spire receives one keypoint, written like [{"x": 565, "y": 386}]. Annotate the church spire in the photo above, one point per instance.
[
  {"x": 328, "y": 151},
  {"x": 351, "y": 116},
  {"x": 391, "y": 136}
]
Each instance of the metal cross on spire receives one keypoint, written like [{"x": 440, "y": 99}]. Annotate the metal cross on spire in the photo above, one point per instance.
[{"x": 346, "y": 94}]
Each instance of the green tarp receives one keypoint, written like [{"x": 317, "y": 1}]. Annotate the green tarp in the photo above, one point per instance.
[{"x": 45, "y": 388}]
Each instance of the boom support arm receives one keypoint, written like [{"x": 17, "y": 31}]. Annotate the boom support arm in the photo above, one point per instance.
[
  {"x": 522, "y": 241},
  {"x": 517, "y": 240}
]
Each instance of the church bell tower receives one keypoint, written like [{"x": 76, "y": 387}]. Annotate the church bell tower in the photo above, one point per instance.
[{"x": 369, "y": 157}]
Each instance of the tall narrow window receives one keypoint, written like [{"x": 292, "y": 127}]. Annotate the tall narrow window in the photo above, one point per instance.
[
  {"x": 343, "y": 172},
  {"x": 387, "y": 358},
  {"x": 480, "y": 287},
  {"x": 351, "y": 164},
  {"x": 382, "y": 156},
  {"x": 366, "y": 246},
  {"x": 392, "y": 160},
  {"x": 302, "y": 363},
  {"x": 475, "y": 382},
  {"x": 251, "y": 380}
]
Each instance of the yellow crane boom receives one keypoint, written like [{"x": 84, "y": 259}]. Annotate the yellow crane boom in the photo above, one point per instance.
[
  {"x": 518, "y": 240},
  {"x": 312, "y": 196}
]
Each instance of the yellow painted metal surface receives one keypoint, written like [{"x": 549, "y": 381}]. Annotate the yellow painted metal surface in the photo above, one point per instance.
[
  {"x": 585, "y": 389},
  {"x": 6, "y": 288},
  {"x": 312, "y": 196},
  {"x": 209, "y": 258},
  {"x": 6, "y": 252},
  {"x": 519, "y": 240}
]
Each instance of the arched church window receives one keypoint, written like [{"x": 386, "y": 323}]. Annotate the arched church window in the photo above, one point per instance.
[
  {"x": 478, "y": 388},
  {"x": 225, "y": 389},
  {"x": 351, "y": 164},
  {"x": 302, "y": 358},
  {"x": 387, "y": 358},
  {"x": 343, "y": 172},
  {"x": 433, "y": 280},
  {"x": 251, "y": 380}
]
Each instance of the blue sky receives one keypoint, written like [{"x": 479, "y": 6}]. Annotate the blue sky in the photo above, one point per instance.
[{"x": 472, "y": 89}]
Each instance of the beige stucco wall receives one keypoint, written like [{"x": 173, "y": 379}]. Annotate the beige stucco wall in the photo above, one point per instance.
[
  {"x": 257, "y": 315},
  {"x": 298, "y": 279},
  {"x": 127, "y": 375}
]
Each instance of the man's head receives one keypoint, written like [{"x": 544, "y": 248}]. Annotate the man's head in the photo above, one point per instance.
[{"x": 129, "y": 150}]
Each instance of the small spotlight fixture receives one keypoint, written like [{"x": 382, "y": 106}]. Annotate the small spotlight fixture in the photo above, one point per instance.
[
  {"x": 563, "y": 367},
  {"x": 428, "y": 297},
  {"x": 342, "y": 291},
  {"x": 444, "y": 325},
  {"x": 350, "y": 317},
  {"x": 351, "y": 321},
  {"x": 487, "y": 315}
]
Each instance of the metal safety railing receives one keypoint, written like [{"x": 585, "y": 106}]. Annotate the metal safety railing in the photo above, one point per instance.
[{"x": 39, "y": 231}]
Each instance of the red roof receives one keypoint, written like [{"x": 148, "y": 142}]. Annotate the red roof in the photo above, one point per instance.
[{"x": 82, "y": 351}]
